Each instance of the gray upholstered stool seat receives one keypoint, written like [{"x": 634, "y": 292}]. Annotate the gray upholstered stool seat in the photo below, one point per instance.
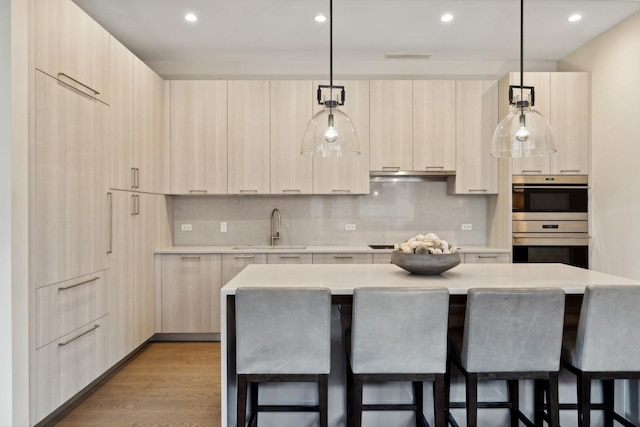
[
  {"x": 282, "y": 334},
  {"x": 509, "y": 334},
  {"x": 398, "y": 334},
  {"x": 604, "y": 346}
]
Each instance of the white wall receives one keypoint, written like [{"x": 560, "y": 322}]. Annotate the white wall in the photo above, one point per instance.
[
  {"x": 6, "y": 410},
  {"x": 614, "y": 62}
]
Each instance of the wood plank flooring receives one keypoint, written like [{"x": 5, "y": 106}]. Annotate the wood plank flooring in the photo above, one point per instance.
[{"x": 166, "y": 384}]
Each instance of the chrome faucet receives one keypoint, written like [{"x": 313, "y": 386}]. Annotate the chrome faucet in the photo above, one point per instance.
[{"x": 276, "y": 222}]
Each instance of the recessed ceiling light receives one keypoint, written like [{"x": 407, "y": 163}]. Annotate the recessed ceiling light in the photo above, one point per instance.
[
  {"x": 320, "y": 18},
  {"x": 191, "y": 17},
  {"x": 447, "y": 17},
  {"x": 575, "y": 17}
]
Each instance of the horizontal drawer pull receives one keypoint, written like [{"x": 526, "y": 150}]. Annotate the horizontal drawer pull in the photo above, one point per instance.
[
  {"x": 531, "y": 171},
  {"x": 480, "y": 190},
  {"x": 343, "y": 257},
  {"x": 198, "y": 191},
  {"x": 191, "y": 258},
  {"x": 95, "y": 92},
  {"x": 341, "y": 191},
  {"x": 243, "y": 256},
  {"x": 248, "y": 191},
  {"x": 434, "y": 167},
  {"x": 61, "y": 344},
  {"x": 397, "y": 168},
  {"x": 487, "y": 256},
  {"x": 289, "y": 256},
  {"x": 569, "y": 170},
  {"x": 64, "y": 288},
  {"x": 291, "y": 191}
]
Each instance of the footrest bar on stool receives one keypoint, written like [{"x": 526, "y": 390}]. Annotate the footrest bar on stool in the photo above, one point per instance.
[
  {"x": 389, "y": 407},
  {"x": 482, "y": 405},
  {"x": 287, "y": 408}
]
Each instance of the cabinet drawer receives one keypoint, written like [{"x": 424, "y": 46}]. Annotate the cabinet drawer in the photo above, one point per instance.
[
  {"x": 233, "y": 264},
  {"x": 64, "y": 307},
  {"x": 67, "y": 365},
  {"x": 289, "y": 259},
  {"x": 343, "y": 258},
  {"x": 382, "y": 258},
  {"x": 486, "y": 258}
]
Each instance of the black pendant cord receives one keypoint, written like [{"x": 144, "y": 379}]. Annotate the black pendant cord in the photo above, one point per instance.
[
  {"x": 521, "y": 50},
  {"x": 330, "y": 54}
]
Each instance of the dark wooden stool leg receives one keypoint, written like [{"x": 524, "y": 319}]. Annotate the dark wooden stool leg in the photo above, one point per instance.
[
  {"x": 323, "y": 399},
  {"x": 357, "y": 401},
  {"x": 584, "y": 399},
  {"x": 439, "y": 391},
  {"x": 418, "y": 397},
  {"x": 472, "y": 400},
  {"x": 539, "y": 389},
  {"x": 553, "y": 400},
  {"x": 241, "y": 403},
  {"x": 514, "y": 399},
  {"x": 253, "y": 404},
  {"x": 608, "y": 399}
]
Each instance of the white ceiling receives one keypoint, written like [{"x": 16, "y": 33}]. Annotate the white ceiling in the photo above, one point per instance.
[{"x": 258, "y": 38}]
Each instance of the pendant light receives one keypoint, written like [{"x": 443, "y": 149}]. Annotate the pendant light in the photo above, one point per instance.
[
  {"x": 524, "y": 132},
  {"x": 330, "y": 133}
]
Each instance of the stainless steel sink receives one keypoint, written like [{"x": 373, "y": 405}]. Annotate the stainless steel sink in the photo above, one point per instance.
[{"x": 267, "y": 248}]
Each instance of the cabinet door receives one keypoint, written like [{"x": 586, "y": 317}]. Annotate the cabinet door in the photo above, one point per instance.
[
  {"x": 486, "y": 258},
  {"x": 570, "y": 122},
  {"x": 121, "y": 117},
  {"x": 198, "y": 137},
  {"x": 291, "y": 172},
  {"x": 477, "y": 117},
  {"x": 540, "y": 81},
  {"x": 434, "y": 125},
  {"x": 343, "y": 258},
  {"x": 390, "y": 125},
  {"x": 348, "y": 174},
  {"x": 191, "y": 293},
  {"x": 72, "y": 47},
  {"x": 121, "y": 274},
  {"x": 70, "y": 183},
  {"x": 148, "y": 130},
  {"x": 249, "y": 144},
  {"x": 233, "y": 264},
  {"x": 295, "y": 258}
]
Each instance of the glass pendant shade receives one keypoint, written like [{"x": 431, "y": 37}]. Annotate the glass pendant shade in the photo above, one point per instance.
[
  {"x": 523, "y": 133},
  {"x": 330, "y": 133}
]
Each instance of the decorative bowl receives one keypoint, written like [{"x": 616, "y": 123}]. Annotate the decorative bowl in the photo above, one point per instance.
[{"x": 425, "y": 264}]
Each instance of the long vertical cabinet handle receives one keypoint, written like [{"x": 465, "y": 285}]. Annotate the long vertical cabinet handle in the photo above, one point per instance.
[
  {"x": 137, "y": 178},
  {"x": 110, "y": 197},
  {"x": 133, "y": 177},
  {"x": 133, "y": 204},
  {"x": 137, "y": 204}
]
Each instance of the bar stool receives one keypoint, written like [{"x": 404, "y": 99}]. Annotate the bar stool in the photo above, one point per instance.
[
  {"x": 509, "y": 334},
  {"x": 603, "y": 347},
  {"x": 398, "y": 334},
  {"x": 282, "y": 335}
]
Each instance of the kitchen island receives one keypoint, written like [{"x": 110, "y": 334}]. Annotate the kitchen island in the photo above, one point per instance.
[{"x": 341, "y": 280}]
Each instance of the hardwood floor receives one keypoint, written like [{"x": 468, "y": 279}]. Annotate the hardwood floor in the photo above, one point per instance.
[{"x": 166, "y": 384}]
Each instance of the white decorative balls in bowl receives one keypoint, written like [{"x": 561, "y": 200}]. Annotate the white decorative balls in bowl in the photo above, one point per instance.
[{"x": 425, "y": 254}]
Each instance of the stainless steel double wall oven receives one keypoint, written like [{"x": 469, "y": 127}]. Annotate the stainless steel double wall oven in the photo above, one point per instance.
[{"x": 550, "y": 219}]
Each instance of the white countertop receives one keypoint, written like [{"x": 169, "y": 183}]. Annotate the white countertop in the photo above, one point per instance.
[
  {"x": 300, "y": 249},
  {"x": 343, "y": 278}
]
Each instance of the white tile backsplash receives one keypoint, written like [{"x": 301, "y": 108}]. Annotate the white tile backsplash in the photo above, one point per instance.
[{"x": 391, "y": 213}]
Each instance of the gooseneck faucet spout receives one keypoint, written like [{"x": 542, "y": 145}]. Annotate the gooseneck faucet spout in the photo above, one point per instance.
[{"x": 276, "y": 223}]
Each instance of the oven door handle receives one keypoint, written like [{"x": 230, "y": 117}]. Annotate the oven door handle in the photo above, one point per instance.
[{"x": 550, "y": 187}]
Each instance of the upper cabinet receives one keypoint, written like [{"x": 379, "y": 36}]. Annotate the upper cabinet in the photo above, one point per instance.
[
  {"x": 72, "y": 47},
  {"x": 291, "y": 172},
  {"x": 563, "y": 99},
  {"x": 434, "y": 125},
  {"x": 198, "y": 137},
  {"x": 249, "y": 137},
  {"x": 150, "y": 167},
  {"x": 348, "y": 174},
  {"x": 390, "y": 125},
  {"x": 477, "y": 118}
]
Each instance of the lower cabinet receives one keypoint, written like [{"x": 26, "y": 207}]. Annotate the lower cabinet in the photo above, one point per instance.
[
  {"x": 295, "y": 258},
  {"x": 343, "y": 258},
  {"x": 68, "y": 364},
  {"x": 232, "y": 264},
  {"x": 382, "y": 258},
  {"x": 190, "y": 293},
  {"x": 486, "y": 258}
]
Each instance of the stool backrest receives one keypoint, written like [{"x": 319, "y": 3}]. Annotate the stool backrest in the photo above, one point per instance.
[
  {"x": 399, "y": 330},
  {"x": 283, "y": 330},
  {"x": 513, "y": 330},
  {"x": 608, "y": 337}
]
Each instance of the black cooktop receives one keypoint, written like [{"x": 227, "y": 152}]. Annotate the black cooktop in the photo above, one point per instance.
[{"x": 381, "y": 246}]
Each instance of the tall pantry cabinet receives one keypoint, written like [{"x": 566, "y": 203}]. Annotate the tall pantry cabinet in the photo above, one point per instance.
[{"x": 92, "y": 258}]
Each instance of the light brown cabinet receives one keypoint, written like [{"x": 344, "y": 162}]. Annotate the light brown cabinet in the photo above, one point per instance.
[
  {"x": 291, "y": 172},
  {"x": 348, "y": 174},
  {"x": 293, "y": 258},
  {"x": 232, "y": 264},
  {"x": 72, "y": 47},
  {"x": 190, "y": 293},
  {"x": 198, "y": 137},
  {"x": 390, "y": 125},
  {"x": 70, "y": 182},
  {"x": 434, "y": 126},
  {"x": 343, "y": 258},
  {"x": 476, "y": 120},
  {"x": 249, "y": 142},
  {"x": 486, "y": 258}
]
